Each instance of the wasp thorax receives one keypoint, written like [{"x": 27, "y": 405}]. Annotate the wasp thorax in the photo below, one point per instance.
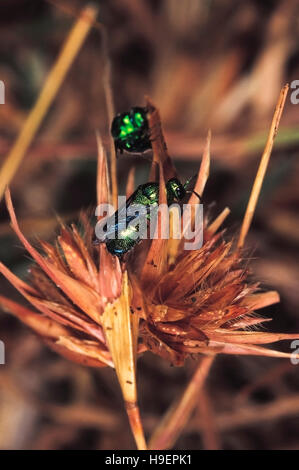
[{"x": 130, "y": 130}]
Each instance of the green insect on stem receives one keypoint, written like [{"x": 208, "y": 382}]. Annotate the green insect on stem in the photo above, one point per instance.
[{"x": 130, "y": 131}]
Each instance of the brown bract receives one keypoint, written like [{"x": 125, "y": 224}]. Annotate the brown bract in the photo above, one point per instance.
[{"x": 69, "y": 291}]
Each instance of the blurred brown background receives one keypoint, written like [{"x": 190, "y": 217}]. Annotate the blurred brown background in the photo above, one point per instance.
[{"x": 205, "y": 63}]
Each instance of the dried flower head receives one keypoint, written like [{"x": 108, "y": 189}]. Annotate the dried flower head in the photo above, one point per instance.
[{"x": 99, "y": 311}]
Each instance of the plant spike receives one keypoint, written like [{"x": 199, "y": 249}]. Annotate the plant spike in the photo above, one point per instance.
[{"x": 257, "y": 185}]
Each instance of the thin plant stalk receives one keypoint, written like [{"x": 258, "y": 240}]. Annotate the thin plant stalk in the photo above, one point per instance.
[
  {"x": 53, "y": 82},
  {"x": 136, "y": 425},
  {"x": 70, "y": 11},
  {"x": 210, "y": 437},
  {"x": 218, "y": 221},
  {"x": 110, "y": 112},
  {"x": 257, "y": 185}
]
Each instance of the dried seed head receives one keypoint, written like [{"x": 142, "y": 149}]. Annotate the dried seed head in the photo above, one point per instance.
[{"x": 91, "y": 308}]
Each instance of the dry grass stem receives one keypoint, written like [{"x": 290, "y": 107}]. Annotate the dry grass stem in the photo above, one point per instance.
[
  {"x": 53, "y": 82},
  {"x": 110, "y": 113},
  {"x": 216, "y": 224},
  {"x": 102, "y": 174},
  {"x": 257, "y": 185},
  {"x": 210, "y": 437}
]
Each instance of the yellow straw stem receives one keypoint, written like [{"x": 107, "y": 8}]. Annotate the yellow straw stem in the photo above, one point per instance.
[
  {"x": 257, "y": 185},
  {"x": 121, "y": 332},
  {"x": 218, "y": 221},
  {"x": 53, "y": 82},
  {"x": 136, "y": 425},
  {"x": 110, "y": 113}
]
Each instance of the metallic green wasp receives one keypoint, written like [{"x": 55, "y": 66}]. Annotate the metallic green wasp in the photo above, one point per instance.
[
  {"x": 121, "y": 237},
  {"x": 130, "y": 131}
]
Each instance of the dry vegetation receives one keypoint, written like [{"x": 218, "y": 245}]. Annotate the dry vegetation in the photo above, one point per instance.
[{"x": 207, "y": 64}]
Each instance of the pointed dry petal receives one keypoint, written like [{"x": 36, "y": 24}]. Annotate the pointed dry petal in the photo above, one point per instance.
[
  {"x": 74, "y": 355},
  {"x": 85, "y": 348},
  {"x": 43, "y": 306},
  {"x": 249, "y": 350},
  {"x": 110, "y": 275},
  {"x": 160, "y": 154},
  {"x": 92, "y": 270},
  {"x": 214, "y": 226},
  {"x": 261, "y": 300},
  {"x": 103, "y": 191},
  {"x": 176, "y": 246},
  {"x": 15, "y": 281},
  {"x": 173, "y": 244},
  {"x": 203, "y": 173},
  {"x": 83, "y": 296},
  {"x": 53, "y": 255},
  {"x": 75, "y": 319},
  {"x": 40, "y": 324},
  {"x": 156, "y": 260},
  {"x": 248, "y": 337},
  {"x": 73, "y": 257},
  {"x": 247, "y": 322},
  {"x": 121, "y": 331}
]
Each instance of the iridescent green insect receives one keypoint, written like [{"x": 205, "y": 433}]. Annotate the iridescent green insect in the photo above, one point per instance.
[
  {"x": 130, "y": 131},
  {"x": 146, "y": 195}
]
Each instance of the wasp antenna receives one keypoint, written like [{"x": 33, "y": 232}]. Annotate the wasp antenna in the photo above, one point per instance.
[
  {"x": 187, "y": 183},
  {"x": 196, "y": 194}
]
